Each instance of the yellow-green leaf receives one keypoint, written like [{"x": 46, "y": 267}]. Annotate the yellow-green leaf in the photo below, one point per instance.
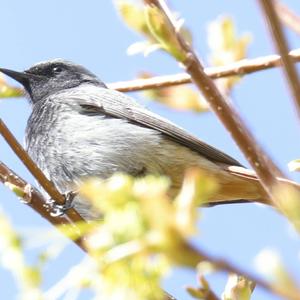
[
  {"x": 294, "y": 165},
  {"x": 163, "y": 32}
]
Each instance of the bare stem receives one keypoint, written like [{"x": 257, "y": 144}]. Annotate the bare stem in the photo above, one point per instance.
[
  {"x": 33, "y": 198},
  {"x": 266, "y": 170},
  {"x": 268, "y": 8},
  {"x": 239, "y": 68},
  {"x": 36, "y": 172},
  {"x": 242, "y": 67},
  {"x": 287, "y": 16},
  {"x": 223, "y": 265},
  {"x": 36, "y": 201}
]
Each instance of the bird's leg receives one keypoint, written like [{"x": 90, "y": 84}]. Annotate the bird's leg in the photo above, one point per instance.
[{"x": 60, "y": 209}]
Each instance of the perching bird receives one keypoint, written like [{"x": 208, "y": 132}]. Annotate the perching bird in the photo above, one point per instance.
[{"x": 79, "y": 128}]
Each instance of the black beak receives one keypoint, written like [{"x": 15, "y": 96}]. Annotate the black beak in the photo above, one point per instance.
[{"x": 21, "y": 77}]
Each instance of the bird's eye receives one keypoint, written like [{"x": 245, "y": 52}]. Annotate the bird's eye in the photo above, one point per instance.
[{"x": 57, "y": 70}]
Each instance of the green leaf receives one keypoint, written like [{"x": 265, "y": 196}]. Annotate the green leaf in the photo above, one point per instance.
[
  {"x": 268, "y": 263},
  {"x": 133, "y": 16},
  {"x": 294, "y": 165},
  {"x": 163, "y": 32},
  {"x": 226, "y": 47},
  {"x": 7, "y": 91},
  {"x": 238, "y": 288}
]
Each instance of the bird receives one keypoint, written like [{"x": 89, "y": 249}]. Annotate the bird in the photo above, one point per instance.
[{"x": 79, "y": 128}]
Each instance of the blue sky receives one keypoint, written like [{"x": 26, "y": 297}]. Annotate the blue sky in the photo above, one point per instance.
[{"x": 92, "y": 34}]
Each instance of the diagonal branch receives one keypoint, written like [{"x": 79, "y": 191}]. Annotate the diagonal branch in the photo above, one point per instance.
[
  {"x": 33, "y": 198},
  {"x": 239, "y": 68},
  {"x": 242, "y": 67},
  {"x": 266, "y": 170},
  {"x": 36, "y": 201},
  {"x": 197, "y": 255},
  {"x": 268, "y": 8},
  {"x": 36, "y": 172},
  {"x": 287, "y": 16}
]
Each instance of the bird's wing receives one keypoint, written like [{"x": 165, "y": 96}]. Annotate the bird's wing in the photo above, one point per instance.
[{"x": 119, "y": 105}]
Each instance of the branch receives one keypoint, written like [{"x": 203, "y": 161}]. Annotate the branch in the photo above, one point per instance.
[
  {"x": 287, "y": 16},
  {"x": 36, "y": 201},
  {"x": 223, "y": 265},
  {"x": 266, "y": 170},
  {"x": 36, "y": 172},
  {"x": 33, "y": 198},
  {"x": 239, "y": 68},
  {"x": 268, "y": 8},
  {"x": 242, "y": 67}
]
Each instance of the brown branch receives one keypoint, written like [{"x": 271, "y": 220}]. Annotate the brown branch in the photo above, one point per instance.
[
  {"x": 211, "y": 296},
  {"x": 287, "y": 16},
  {"x": 204, "y": 291},
  {"x": 33, "y": 198},
  {"x": 268, "y": 8},
  {"x": 266, "y": 170},
  {"x": 223, "y": 265},
  {"x": 239, "y": 68},
  {"x": 36, "y": 201},
  {"x": 242, "y": 67},
  {"x": 36, "y": 172}
]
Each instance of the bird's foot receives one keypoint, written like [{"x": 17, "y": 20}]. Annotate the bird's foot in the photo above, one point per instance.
[{"x": 60, "y": 209}]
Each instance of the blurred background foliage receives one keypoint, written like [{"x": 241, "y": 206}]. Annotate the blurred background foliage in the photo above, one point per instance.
[{"x": 144, "y": 234}]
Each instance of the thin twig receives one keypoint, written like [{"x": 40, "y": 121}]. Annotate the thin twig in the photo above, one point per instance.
[
  {"x": 33, "y": 198},
  {"x": 223, "y": 265},
  {"x": 36, "y": 201},
  {"x": 239, "y": 68},
  {"x": 287, "y": 16},
  {"x": 36, "y": 172},
  {"x": 266, "y": 170},
  {"x": 242, "y": 67},
  {"x": 281, "y": 44}
]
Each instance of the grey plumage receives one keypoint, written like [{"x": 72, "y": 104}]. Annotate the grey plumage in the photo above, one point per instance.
[{"x": 78, "y": 128}]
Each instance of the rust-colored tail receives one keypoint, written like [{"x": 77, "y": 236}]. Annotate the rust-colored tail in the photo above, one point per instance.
[{"x": 240, "y": 185}]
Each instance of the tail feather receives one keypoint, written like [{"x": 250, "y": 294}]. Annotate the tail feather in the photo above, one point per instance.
[
  {"x": 246, "y": 187},
  {"x": 238, "y": 185}
]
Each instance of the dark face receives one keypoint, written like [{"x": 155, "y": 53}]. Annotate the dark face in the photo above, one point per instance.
[{"x": 46, "y": 78}]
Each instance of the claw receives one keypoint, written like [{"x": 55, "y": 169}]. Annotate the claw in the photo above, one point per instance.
[{"x": 60, "y": 209}]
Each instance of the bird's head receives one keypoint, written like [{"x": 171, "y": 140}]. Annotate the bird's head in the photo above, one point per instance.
[{"x": 49, "y": 77}]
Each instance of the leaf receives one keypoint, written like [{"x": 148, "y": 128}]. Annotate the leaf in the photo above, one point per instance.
[
  {"x": 142, "y": 232},
  {"x": 28, "y": 277},
  {"x": 203, "y": 291},
  {"x": 294, "y": 165},
  {"x": 163, "y": 32},
  {"x": 238, "y": 288},
  {"x": 152, "y": 24},
  {"x": 288, "y": 201},
  {"x": 181, "y": 97},
  {"x": 133, "y": 209},
  {"x": 143, "y": 47},
  {"x": 15, "y": 189},
  {"x": 226, "y": 47},
  {"x": 7, "y": 91},
  {"x": 196, "y": 189},
  {"x": 133, "y": 16},
  {"x": 268, "y": 263}
]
